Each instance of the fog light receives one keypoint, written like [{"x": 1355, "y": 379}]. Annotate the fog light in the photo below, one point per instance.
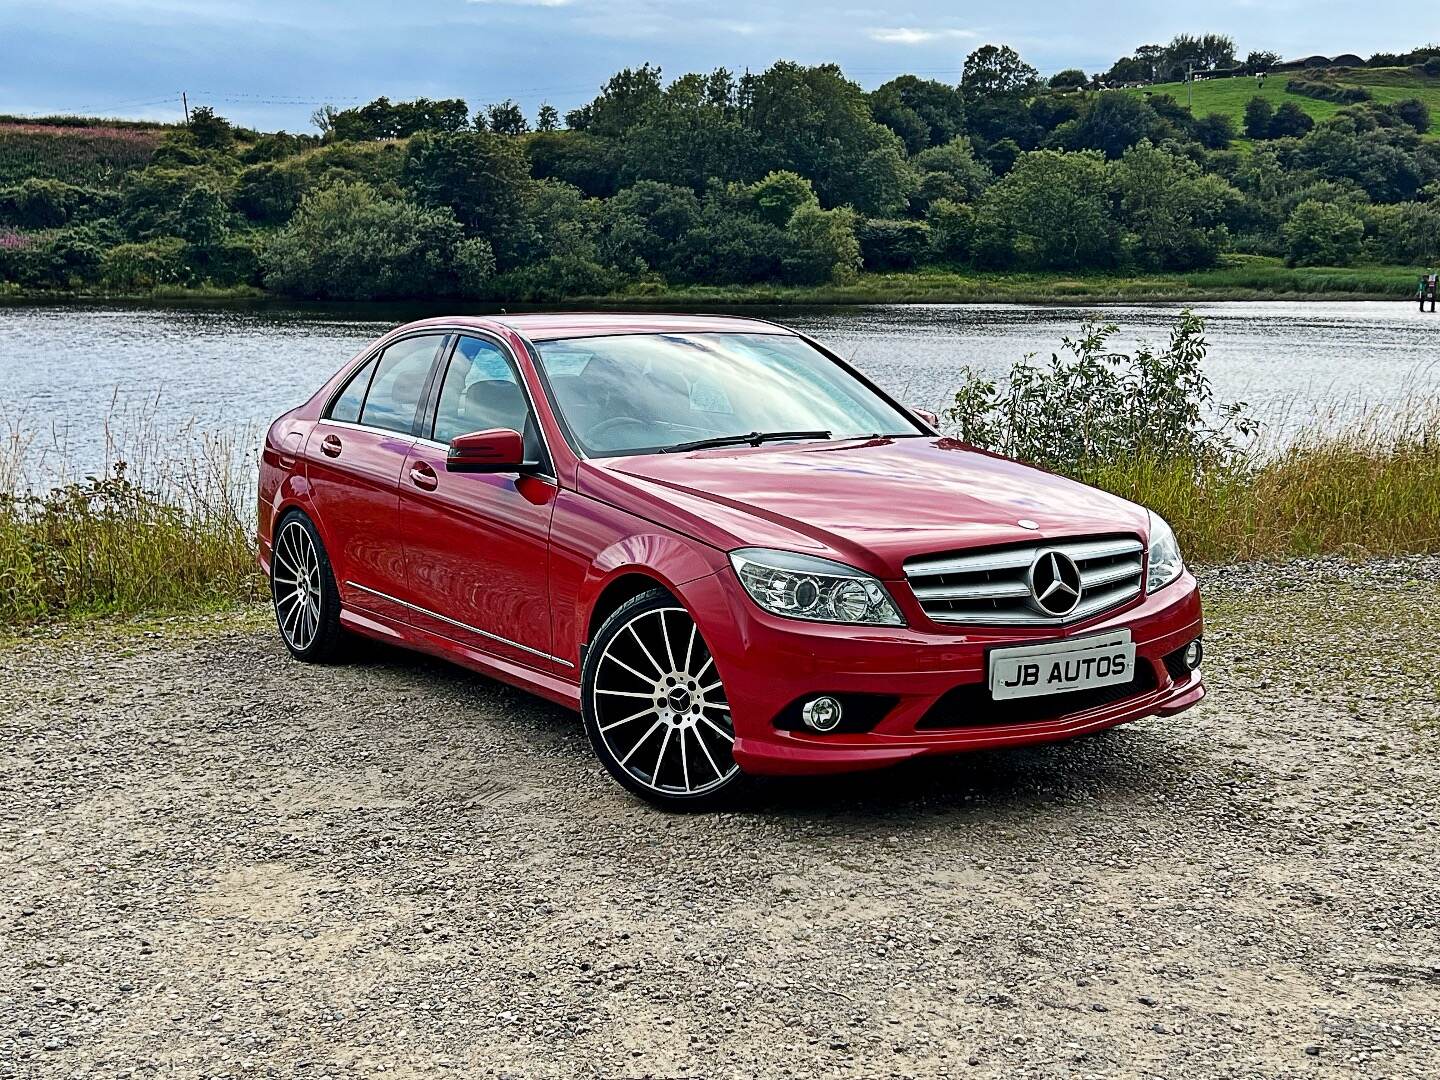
[
  {"x": 1194, "y": 653},
  {"x": 821, "y": 714}
]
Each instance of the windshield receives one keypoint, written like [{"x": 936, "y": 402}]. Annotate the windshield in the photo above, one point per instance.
[{"x": 640, "y": 393}]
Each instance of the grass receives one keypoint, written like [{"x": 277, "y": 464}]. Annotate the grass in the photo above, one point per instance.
[
  {"x": 96, "y": 156},
  {"x": 166, "y": 526},
  {"x": 1371, "y": 488},
  {"x": 1230, "y": 96},
  {"x": 1238, "y": 277},
  {"x": 171, "y": 529}
]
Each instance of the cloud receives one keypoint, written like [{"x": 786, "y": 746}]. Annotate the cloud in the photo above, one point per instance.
[{"x": 909, "y": 35}]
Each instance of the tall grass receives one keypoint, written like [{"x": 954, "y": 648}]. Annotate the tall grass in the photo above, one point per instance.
[
  {"x": 168, "y": 523},
  {"x": 1366, "y": 487}
]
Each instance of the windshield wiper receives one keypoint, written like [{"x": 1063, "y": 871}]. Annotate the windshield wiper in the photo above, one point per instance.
[{"x": 755, "y": 438}]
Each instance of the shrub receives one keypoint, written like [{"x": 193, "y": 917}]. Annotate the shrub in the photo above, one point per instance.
[
  {"x": 55, "y": 259},
  {"x": 37, "y": 203},
  {"x": 1322, "y": 234},
  {"x": 1258, "y": 114},
  {"x": 779, "y": 195},
  {"x": 820, "y": 246},
  {"x": 557, "y": 278},
  {"x": 1327, "y": 91},
  {"x": 952, "y": 226},
  {"x": 1094, "y": 406},
  {"x": 892, "y": 244},
  {"x": 346, "y": 242},
  {"x": 1290, "y": 121},
  {"x": 142, "y": 266}
]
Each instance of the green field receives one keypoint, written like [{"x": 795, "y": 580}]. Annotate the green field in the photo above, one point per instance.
[{"x": 1230, "y": 96}]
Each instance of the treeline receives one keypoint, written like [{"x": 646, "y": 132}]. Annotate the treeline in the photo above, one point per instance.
[{"x": 794, "y": 175}]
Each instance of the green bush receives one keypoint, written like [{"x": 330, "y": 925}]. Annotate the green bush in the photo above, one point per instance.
[
  {"x": 893, "y": 244},
  {"x": 1328, "y": 91},
  {"x": 1322, "y": 234},
  {"x": 820, "y": 246},
  {"x": 54, "y": 259},
  {"x": 778, "y": 195},
  {"x": 1095, "y": 406},
  {"x": 952, "y": 228},
  {"x": 556, "y": 278},
  {"x": 347, "y": 242},
  {"x": 141, "y": 266},
  {"x": 37, "y": 203}
]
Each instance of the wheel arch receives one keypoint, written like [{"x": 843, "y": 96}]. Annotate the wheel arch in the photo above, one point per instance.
[{"x": 623, "y": 587}]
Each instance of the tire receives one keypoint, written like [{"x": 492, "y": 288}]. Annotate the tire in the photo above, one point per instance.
[
  {"x": 659, "y": 728},
  {"x": 303, "y": 591}
]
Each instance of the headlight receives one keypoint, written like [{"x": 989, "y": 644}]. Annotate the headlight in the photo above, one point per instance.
[
  {"x": 1165, "y": 564},
  {"x": 804, "y": 587}
]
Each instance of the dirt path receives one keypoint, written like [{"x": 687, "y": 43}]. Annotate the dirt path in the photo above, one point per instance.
[{"x": 215, "y": 861}]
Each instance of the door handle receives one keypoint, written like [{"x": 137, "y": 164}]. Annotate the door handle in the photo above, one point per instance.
[
  {"x": 423, "y": 477},
  {"x": 331, "y": 446}
]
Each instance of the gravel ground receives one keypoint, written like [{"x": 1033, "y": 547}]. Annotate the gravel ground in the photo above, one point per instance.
[{"x": 218, "y": 862}]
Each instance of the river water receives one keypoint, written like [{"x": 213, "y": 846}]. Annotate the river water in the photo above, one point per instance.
[{"x": 67, "y": 371}]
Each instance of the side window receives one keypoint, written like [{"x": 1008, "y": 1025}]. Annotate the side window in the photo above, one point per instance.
[
  {"x": 480, "y": 391},
  {"x": 399, "y": 381},
  {"x": 347, "y": 405}
]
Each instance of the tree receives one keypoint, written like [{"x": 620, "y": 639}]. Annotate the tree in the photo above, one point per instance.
[
  {"x": 1188, "y": 52},
  {"x": 952, "y": 172},
  {"x": 548, "y": 119},
  {"x": 210, "y": 132},
  {"x": 1113, "y": 123},
  {"x": 779, "y": 195},
  {"x": 1258, "y": 115},
  {"x": 346, "y": 242},
  {"x": 1290, "y": 120},
  {"x": 482, "y": 177},
  {"x": 1322, "y": 234},
  {"x": 624, "y": 101},
  {"x": 1174, "y": 216},
  {"x": 1069, "y": 79},
  {"x": 323, "y": 120},
  {"x": 506, "y": 119},
  {"x": 1051, "y": 211},
  {"x": 1214, "y": 131},
  {"x": 996, "y": 70},
  {"x": 923, "y": 112},
  {"x": 1260, "y": 60},
  {"x": 815, "y": 122},
  {"x": 820, "y": 246},
  {"x": 1414, "y": 112}
]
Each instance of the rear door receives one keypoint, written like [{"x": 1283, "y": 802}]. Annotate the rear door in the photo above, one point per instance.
[
  {"x": 477, "y": 544},
  {"x": 355, "y": 458}
]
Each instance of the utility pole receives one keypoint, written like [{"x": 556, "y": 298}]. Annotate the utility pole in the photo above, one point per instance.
[
  {"x": 1189, "y": 85},
  {"x": 185, "y": 104}
]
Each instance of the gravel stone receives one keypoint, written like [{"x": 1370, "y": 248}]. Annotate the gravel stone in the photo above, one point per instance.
[{"x": 232, "y": 864}]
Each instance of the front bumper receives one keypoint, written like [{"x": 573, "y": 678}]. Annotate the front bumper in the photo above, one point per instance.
[{"x": 770, "y": 663}]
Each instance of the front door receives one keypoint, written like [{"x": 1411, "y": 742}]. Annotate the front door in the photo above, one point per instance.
[
  {"x": 355, "y": 459},
  {"x": 476, "y": 544}
]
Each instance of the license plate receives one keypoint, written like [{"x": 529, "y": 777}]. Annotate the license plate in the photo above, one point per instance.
[{"x": 1059, "y": 667}]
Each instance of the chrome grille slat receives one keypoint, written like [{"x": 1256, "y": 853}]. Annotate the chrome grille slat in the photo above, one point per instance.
[{"x": 991, "y": 587}]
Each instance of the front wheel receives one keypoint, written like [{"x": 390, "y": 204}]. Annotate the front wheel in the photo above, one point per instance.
[{"x": 654, "y": 706}]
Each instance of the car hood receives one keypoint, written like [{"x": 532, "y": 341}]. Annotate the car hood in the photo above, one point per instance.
[{"x": 868, "y": 503}]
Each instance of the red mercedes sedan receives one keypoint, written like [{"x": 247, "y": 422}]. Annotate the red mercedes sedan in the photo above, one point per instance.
[{"x": 721, "y": 543}]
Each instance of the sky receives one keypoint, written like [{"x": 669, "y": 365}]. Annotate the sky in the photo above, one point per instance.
[{"x": 269, "y": 63}]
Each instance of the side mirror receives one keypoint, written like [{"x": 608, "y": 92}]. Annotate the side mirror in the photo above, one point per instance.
[
  {"x": 926, "y": 415},
  {"x": 492, "y": 451}
]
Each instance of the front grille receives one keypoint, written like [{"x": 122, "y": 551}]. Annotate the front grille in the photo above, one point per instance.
[
  {"x": 991, "y": 587},
  {"x": 970, "y": 705}
]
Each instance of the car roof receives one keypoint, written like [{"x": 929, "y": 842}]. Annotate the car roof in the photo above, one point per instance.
[{"x": 548, "y": 326}]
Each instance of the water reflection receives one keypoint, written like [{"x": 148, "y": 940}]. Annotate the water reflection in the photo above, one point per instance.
[{"x": 237, "y": 367}]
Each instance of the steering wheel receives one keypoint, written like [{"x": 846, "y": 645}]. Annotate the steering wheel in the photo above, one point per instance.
[{"x": 605, "y": 427}]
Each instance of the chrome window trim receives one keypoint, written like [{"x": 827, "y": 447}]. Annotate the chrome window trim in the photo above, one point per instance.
[
  {"x": 447, "y": 355},
  {"x": 457, "y": 623},
  {"x": 374, "y": 354}
]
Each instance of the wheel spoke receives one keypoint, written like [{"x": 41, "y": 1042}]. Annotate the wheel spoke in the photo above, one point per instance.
[
  {"x": 704, "y": 667},
  {"x": 684, "y": 761},
  {"x": 706, "y": 750},
  {"x": 717, "y": 729},
  {"x": 690, "y": 647},
  {"x": 660, "y": 757},
  {"x": 658, "y": 669},
  {"x": 641, "y": 741},
  {"x": 626, "y": 693},
  {"x": 616, "y": 660},
  {"x": 665, "y": 633},
  {"x": 626, "y": 720}
]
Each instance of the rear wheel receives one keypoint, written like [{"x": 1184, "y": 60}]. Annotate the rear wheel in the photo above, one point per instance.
[
  {"x": 654, "y": 706},
  {"x": 302, "y": 586}
]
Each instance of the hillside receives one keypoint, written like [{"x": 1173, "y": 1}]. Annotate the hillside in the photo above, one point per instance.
[
  {"x": 1230, "y": 96},
  {"x": 91, "y": 153}
]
